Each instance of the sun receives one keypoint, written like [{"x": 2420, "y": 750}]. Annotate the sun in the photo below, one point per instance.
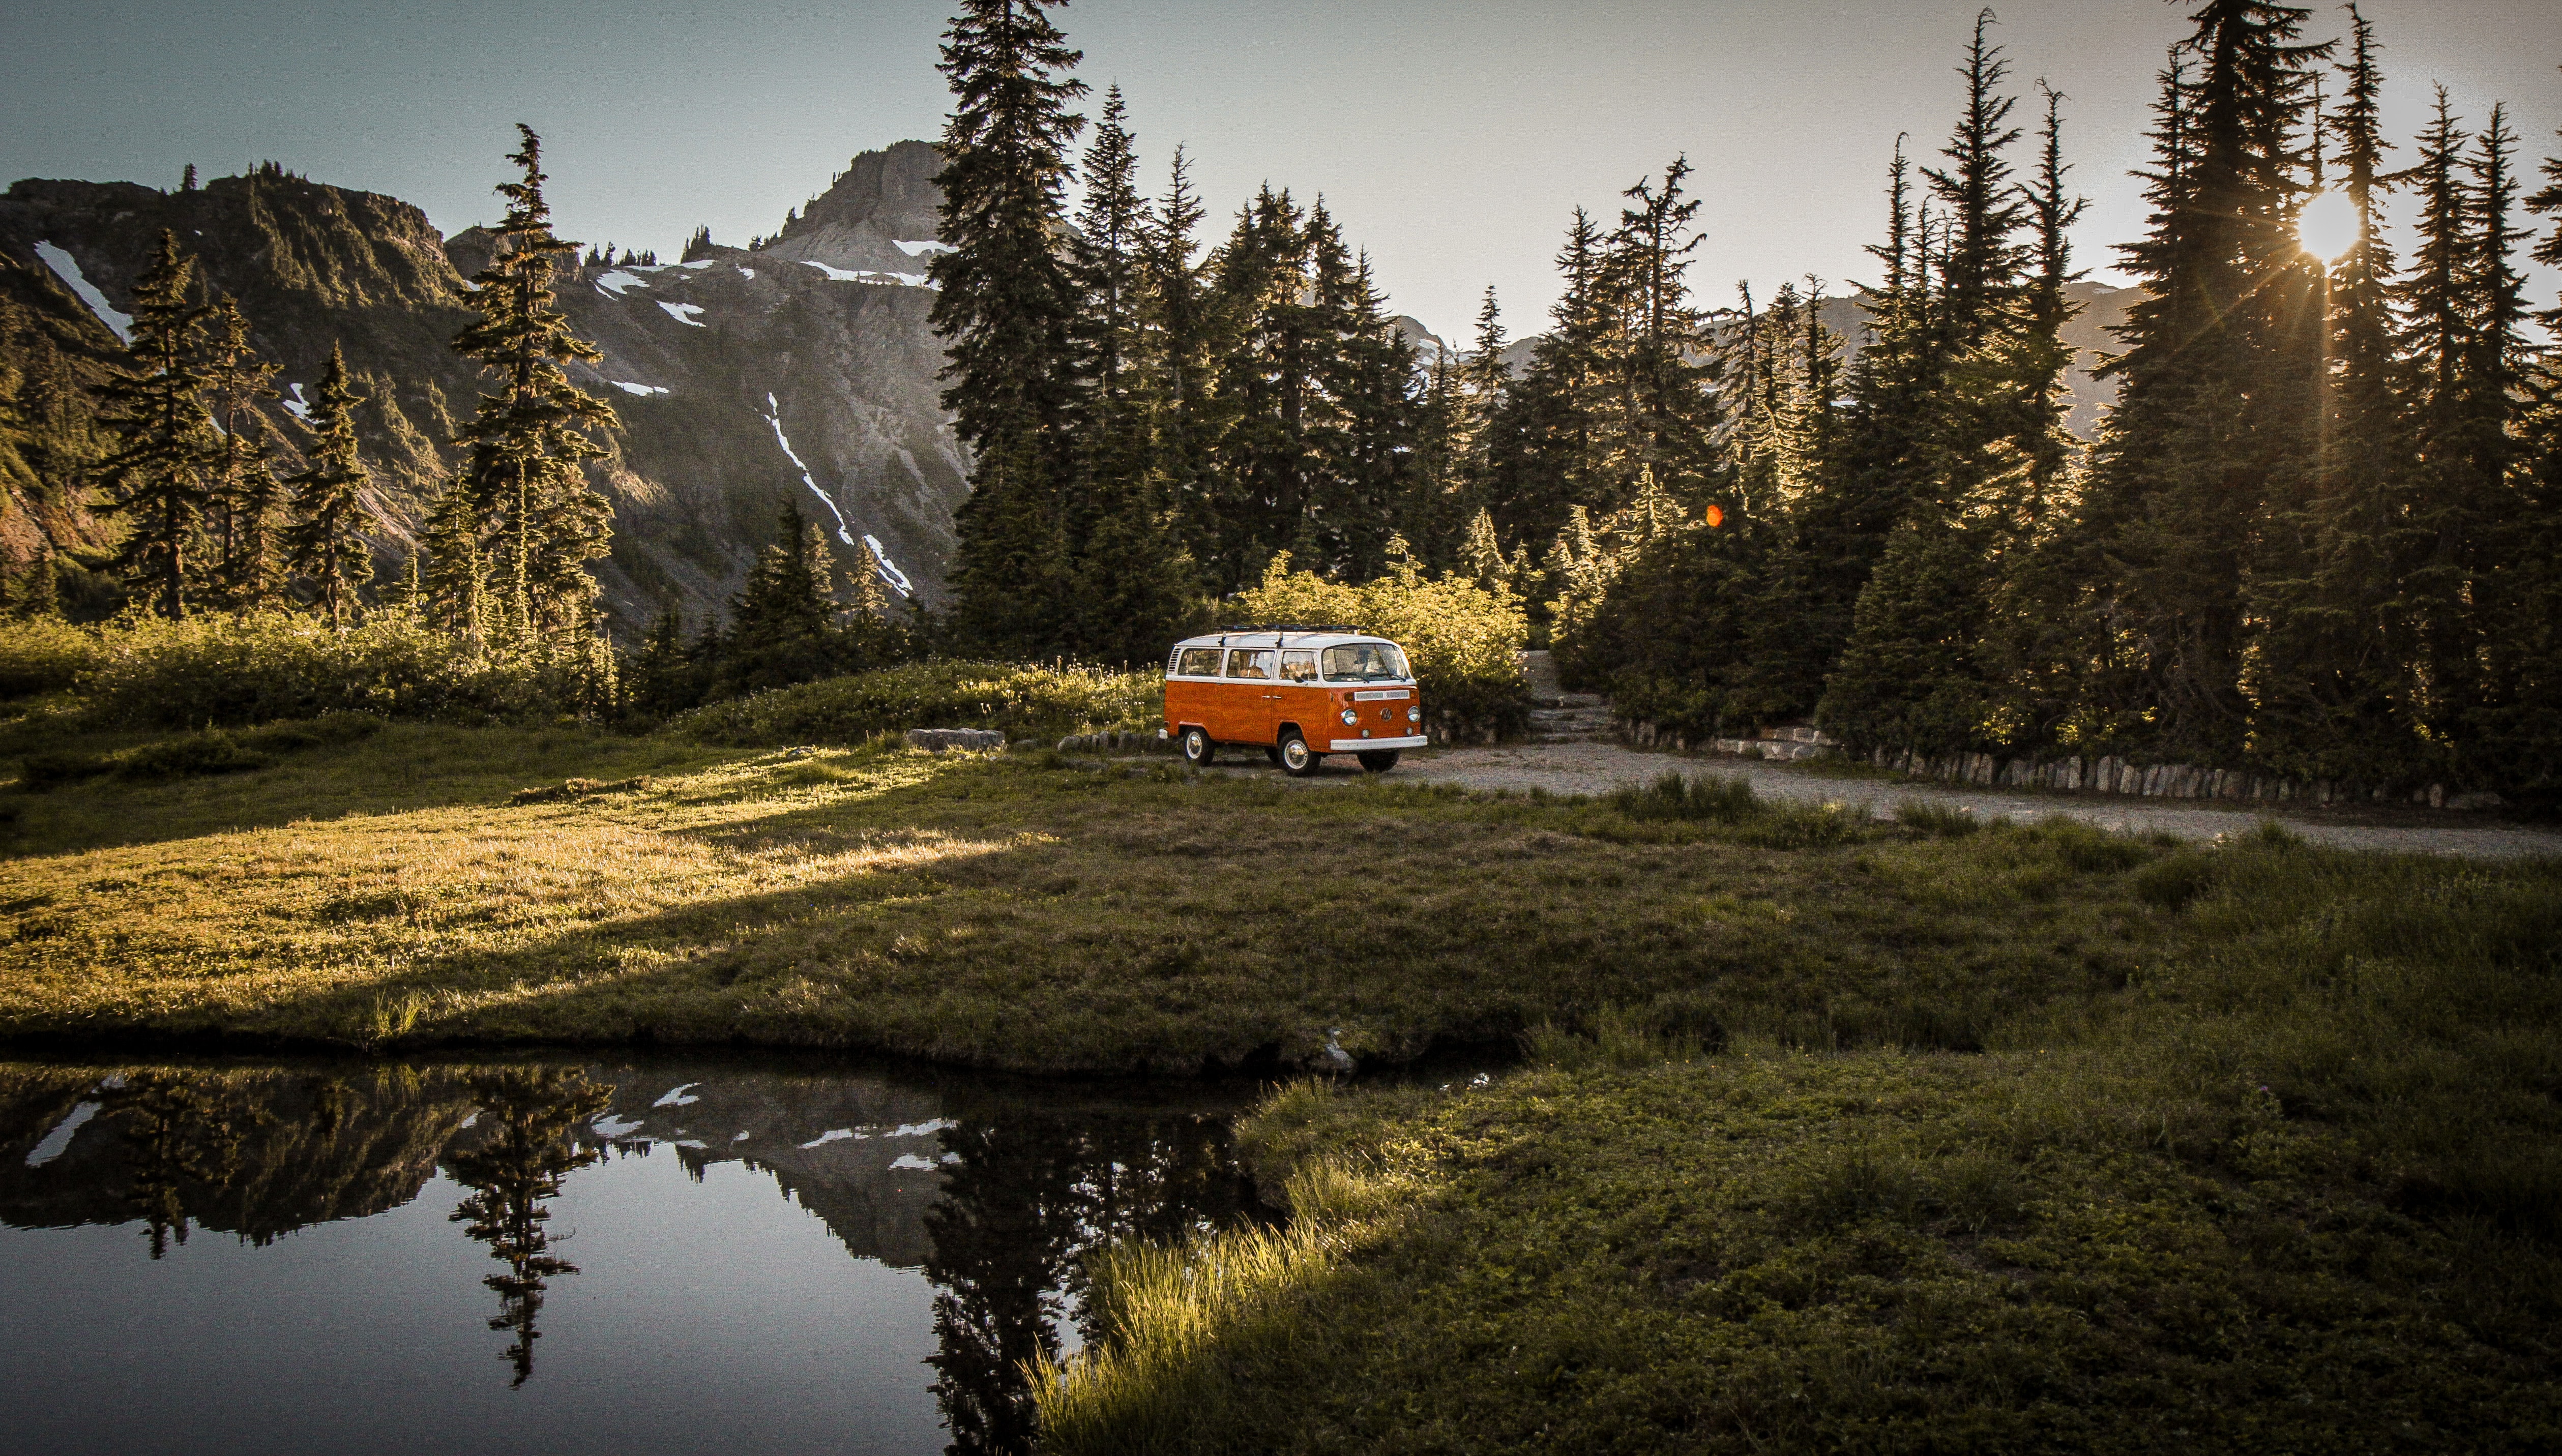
[{"x": 2327, "y": 225}]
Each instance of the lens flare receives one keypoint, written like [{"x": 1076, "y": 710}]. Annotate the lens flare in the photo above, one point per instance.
[{"x": 2327, "y": 227}]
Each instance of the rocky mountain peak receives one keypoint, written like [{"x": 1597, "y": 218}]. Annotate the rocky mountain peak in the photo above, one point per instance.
[{"x": 880, "y": 214}]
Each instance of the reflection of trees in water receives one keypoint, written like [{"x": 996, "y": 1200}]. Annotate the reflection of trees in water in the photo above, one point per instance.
[
  {"x": 526, "y": 1148},
  {"x": 176, "y": 1137},
  {"x": 1030, "y": 1196}
]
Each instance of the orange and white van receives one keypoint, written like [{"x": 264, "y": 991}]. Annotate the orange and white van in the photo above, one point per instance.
[{"x": 1296, "y": 692}]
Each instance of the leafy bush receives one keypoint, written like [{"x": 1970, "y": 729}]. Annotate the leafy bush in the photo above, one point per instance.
[
  {"x": 1022, "y": 702},
  {"x": 1464, "y": 641},
  {"x": 43, "y": 655},
  {"x": 194, "y": 756},
  {"x": 196, "y": 753},
  {"x": 213, "y": 669}
]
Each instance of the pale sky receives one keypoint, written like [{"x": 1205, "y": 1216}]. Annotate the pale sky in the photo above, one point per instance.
[{"x": 1451, "y": 138}]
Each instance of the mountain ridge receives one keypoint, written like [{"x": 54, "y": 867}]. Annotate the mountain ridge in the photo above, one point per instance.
[{"x": 805, "y": 369}]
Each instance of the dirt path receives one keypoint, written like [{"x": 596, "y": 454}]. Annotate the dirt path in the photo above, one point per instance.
[{"x": 1589, "y": 768}]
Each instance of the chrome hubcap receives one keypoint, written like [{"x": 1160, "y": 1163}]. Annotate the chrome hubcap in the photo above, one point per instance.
[{"x": 1295, "y": 754}]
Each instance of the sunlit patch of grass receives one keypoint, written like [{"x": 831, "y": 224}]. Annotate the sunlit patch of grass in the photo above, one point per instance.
[{"x": 1012, "y": 909}]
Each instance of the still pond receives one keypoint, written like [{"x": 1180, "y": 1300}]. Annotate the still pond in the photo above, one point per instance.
[{"x": 622, "y": 1256}]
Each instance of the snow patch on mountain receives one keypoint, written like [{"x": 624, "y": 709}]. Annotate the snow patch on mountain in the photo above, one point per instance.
[
  {"x": 926, "y": 249},
  {"x": 643, "y": 390},
  {"x": 870, "y": 276},
  {"x": 681, "y": 314},
  {"x": 296, "y": 404},
  {"x": 845, "y": 529},
  {"x": 613, "y": 284},
  {"x": 889, "y": 571},
  {"x": 70, "y": 273}
]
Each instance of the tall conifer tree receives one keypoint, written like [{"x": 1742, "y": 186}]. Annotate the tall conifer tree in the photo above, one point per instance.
[
  {"x": 534, "y": 516},
  {"x": 1005, "y": 304},
  {"x": 324, "y": 545},
  {"x": 244, "y": 493},
  {"x": 162, "y": 452},
  {"x": 2217, "y": 383}
]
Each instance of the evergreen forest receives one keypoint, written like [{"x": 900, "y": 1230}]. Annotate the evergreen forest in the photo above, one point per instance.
[{"x": 2316, "y": 536}]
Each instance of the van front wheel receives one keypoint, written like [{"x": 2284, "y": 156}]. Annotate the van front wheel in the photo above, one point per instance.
[
  {"x": 1297, "y": 759},
  {"x": 1198, "y": 749},
  {"x": 1379, "y": 761}
]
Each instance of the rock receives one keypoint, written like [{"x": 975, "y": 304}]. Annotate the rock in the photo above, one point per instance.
[{"x": 971, "y": 740}]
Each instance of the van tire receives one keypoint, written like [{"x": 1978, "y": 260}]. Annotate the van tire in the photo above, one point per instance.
[
  {"x": 1378, "y": 760},
  {"x": 1297, "y": 759},
  {"x": 1199, "y": 751}
]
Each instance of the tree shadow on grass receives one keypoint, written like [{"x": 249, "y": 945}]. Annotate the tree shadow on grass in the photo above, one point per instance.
[
  {"x": 404, "y": 769},
  {"x": 1167, "y": 932}
]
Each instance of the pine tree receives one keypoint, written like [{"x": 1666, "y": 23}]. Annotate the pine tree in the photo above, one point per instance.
[
  {"x": 1180, "y": 328},
  {"x": 534, "y": 516},
  {"x": 1005, "y": 309},
  {"x": 2219, "y": 387},
  {"x": 1369, "y": 452},
  {"x": 1667, "y": 424},
  {"x": 324, "y": 545},
  {"x": 162, "y": 452},
  {"x": 2330, "y": 690},
  {"x": 783, "y": 623},
  {"x": 245, "y": 494},
  {"x": 2521, "y": 743},
  {"x": 667, "y": 676}
]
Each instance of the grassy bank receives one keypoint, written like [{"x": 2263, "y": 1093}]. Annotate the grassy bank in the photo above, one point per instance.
[
  {"x": 1839, "y": 1135},
  {"x": 1014, "y": 912},
  {"x": 2294, "y": 1186}
]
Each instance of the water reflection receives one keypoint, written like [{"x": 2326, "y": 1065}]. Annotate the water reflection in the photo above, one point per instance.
[
  {"x": 529, "y": 1122},
  {"x": 992, "y": 1193}
]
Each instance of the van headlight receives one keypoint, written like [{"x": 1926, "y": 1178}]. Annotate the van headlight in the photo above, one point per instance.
[
  {"x": 1350, "y": 717},
  {"x": 1415, "y": 714}
]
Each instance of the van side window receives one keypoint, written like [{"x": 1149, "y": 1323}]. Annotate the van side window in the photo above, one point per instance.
[
  {"x": 1298, "y": 666},
  {"x": 1242, "y": 663},
  {"x": 1196, "y": 663}
]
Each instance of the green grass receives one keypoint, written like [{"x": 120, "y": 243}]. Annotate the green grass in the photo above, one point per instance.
[
  {"x": 2296, "y": 1185},
  {"x": 1014, "y": 911},
  {"x": 1836, "y": 1135}
]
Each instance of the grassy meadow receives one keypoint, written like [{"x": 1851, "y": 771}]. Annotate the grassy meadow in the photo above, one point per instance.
[
  {"x": 1830, "y": 1133},
  {"x": 2294, "y": 1186},
  {"x": 1017, "y": 911}
]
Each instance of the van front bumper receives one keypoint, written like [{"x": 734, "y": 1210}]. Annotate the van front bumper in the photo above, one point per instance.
[{"x": 1365, "y": 745}]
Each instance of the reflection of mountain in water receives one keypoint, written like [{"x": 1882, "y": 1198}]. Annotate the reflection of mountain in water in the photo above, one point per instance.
[
  {"x": 254, "y": 1153},
  {"x": 996, "y": 1195}
]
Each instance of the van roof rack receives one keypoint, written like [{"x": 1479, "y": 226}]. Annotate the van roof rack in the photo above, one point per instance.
[{"x": 1290, "y": 626}]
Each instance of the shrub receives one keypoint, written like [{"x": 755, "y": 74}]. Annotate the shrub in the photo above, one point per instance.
[
  {"x": 43, "y": 655},
  {"x": 1022, "y": 702},
  {"x": 196, "y": 753},
  {"x": 42, "y": 771},
  {"x": 1675, "y": 796},
  {"x": 1464, "y": 640},
  {"x": 215, "y": 669},
  {"x": 194, "y": 756}
]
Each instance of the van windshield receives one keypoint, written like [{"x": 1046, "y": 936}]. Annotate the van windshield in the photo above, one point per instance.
[{"x": 1366, "y": 662}]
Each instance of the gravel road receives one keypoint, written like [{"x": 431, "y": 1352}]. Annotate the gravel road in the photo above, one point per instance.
[{"x": 1589, "y": 768}]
